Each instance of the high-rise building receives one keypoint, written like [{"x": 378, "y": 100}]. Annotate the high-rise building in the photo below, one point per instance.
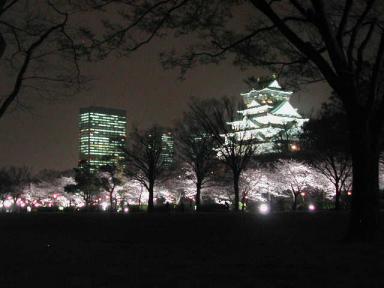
[
  {"x": 102, "y": 135},
  {"x": 269, "y": 119},
  {"x": 167, "y": 146}
]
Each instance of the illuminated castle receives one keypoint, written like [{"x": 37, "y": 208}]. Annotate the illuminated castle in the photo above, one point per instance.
[{"x": 269, "y": 120}]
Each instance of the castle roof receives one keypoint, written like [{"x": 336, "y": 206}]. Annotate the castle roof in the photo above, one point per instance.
[
  {"x": 285, "y": 109},
  {"x": 267, "y": 87}
]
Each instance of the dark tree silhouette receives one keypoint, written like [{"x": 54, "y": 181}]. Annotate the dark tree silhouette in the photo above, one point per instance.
[
  {"x": 110, "y": 177},
  {"x": 87, "y": 185},
  {"x": 325, "y": 141},
  {"x": 143, "y": 161},
  {"x": 286, "y": 140},
  {"x": 33, "y": 39},
  {"x": 233, "y": 149},
  {"x": 13, "y": 181},
  {"x": 341, "y": 42},
  {"x": 196, "y": 147}
]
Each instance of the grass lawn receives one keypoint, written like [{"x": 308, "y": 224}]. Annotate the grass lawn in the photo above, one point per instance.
[{"x": 185, "y": 250}]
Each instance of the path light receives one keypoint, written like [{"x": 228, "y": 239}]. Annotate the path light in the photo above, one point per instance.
[
  {"x": 126, "y": 210},
  {"x": 104, "y": 206},
  {"x": 264, "y": 208},
  {"x": 294, "y": 147},
  {"x": 311, "y": 207}
]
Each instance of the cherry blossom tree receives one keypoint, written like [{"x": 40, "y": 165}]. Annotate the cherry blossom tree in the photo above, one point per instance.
[
  {"x": 299, "y": 179},
  {"x": 111, "y": 177},
  {"x": 234, "y": 150},
  {"x": 196, "y": 148},
  {"x": 14, "y": 180},
  {"x": 262, "y": 184},
  {"x": 180, "y": 187},
  {"x": 143, "y": 161},
  {"x": 87, "y": 185}
]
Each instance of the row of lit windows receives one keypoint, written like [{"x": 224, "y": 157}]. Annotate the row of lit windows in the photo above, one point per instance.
[
  {"x": 99, "y": 122},
  {"x": 122, "y": 133},
  {"x": 102, "y": 129},
  {"x": 100, "y": 114},
  {"x": 101, "y": 140},
  {"x": 100, "y": 147},
  {"x": 103, "y": 120}
]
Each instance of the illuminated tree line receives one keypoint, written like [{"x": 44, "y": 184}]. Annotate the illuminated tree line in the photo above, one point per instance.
[{"x": 207, "y": 169}]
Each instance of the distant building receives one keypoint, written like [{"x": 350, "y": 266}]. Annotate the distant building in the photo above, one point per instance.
[
  {"x": 269, "y": 120},
  {"x": 102, "y": 135},
  {"x": 168, "y": 149}
]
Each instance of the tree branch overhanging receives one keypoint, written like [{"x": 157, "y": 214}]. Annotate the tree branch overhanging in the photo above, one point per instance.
[{"x": 23, "y": 69}]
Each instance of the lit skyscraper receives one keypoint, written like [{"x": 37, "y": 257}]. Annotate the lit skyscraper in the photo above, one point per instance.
[
  {"x": 102, "y": 135},
  {"x": 167, "y": 154}
]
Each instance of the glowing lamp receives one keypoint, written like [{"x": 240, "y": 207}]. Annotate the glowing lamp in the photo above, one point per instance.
[
  {"x": 104, "y": 206},
  {"x": 294, "y": 147},
  {"x": 264, "y": 208},
  {"x": 311, "y": 207}
]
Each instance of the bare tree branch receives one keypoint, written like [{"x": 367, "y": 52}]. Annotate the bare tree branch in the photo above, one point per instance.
[
  {"x": 344, "y": 21},
  {"x": 29, "y": 52}
]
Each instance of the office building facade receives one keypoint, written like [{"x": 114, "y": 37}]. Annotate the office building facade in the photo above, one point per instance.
[
  {"x": 103, "y": 135},
  {"x": 168, "y": 150}
]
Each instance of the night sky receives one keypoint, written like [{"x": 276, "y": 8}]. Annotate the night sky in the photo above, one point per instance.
[{"x": 45, "y": 136}]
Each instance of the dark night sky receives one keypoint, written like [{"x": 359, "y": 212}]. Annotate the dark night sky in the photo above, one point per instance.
[{"x": 46, "y": 135}]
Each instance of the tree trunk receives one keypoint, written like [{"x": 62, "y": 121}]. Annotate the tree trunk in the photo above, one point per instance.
[
  {"x": 337, "y": 198},
  {"x": 294, "y": 204},
  {"x": 87, "y": 200},
  {"x": 2, "y": 45},
  {"x": 198, "y": 195},
  {"x": 243, "y": 198},
  {"x": 236, "y": 189},
  {"x": 150, "y": 197},
  {"x": 111, "y": 207},
  {"x": 364, "y": 220}
]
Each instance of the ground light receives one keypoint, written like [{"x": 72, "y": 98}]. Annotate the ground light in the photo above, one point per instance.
[
  {"x": 311, "y": 207},
  {"x": 264, "y": 208},
  {"x": 104, "y": 206}
]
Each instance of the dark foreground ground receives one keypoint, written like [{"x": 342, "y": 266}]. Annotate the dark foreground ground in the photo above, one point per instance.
[{"x": 185, "y": 250}]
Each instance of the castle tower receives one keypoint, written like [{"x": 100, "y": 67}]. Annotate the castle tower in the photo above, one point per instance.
[{"x": 269, "y": 120}]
